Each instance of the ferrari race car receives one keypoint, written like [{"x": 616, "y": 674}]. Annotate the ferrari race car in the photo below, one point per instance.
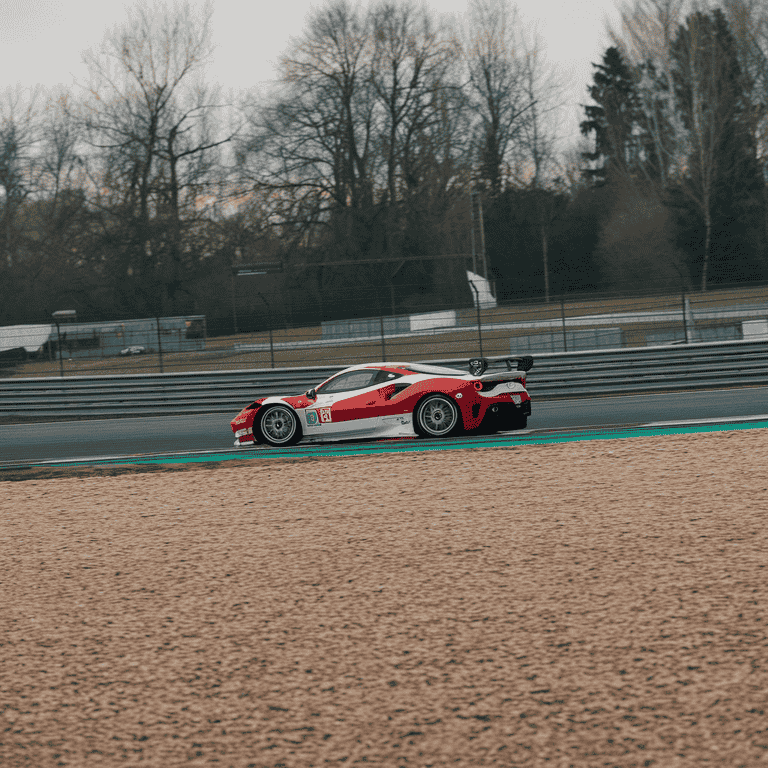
[{"x": 378, "y": 400}]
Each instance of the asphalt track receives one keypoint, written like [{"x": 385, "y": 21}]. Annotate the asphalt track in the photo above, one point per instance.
[{"x": 209, "y": 434}]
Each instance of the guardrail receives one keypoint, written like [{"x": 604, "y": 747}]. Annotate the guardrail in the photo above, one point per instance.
[{"x": 560, "y": 375}]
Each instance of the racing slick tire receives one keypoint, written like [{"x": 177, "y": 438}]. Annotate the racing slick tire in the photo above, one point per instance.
[
  {"x": 279, "y": 426},
  {"x": 436, "y": 415}
]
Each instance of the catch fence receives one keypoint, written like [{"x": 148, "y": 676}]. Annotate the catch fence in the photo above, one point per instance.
[{"x": 561, "y": 325}]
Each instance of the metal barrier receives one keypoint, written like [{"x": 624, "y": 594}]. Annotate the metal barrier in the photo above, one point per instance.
[{"x": 572, "y": 374}]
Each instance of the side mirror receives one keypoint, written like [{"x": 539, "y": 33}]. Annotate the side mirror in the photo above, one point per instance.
[{"x": 311, "y": 394}]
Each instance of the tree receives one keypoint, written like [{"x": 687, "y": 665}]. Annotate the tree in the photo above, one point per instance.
[
  {"x": 645, "y": 41},
  {"x": 150, "y": 120},
  {"x": 312, "y": 145},
  {"x": 360, "y": 147},
  {"x": 636, "y": 247},
  {"x": 535, "y": 147},
  {"x": 722, "y": 179},
  {"x": 412, "y": 62},
  {"x": 19, "y": 135},
  {"x": 613, "y": 119},
  {"x": 496, "y": 85},
  {"x": 748, "y": 22}
]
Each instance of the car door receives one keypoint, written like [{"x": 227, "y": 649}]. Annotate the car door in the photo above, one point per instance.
[{"x": 342, "y": 406}]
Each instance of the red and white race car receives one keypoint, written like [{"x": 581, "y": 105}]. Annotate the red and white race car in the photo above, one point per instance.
[{"x": 393, "y": 400}]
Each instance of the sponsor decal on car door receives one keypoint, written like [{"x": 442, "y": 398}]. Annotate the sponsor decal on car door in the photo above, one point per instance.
[{"x": 318, "y": 416}]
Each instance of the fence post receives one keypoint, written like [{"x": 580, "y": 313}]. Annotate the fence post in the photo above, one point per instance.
[
  {"x": 562, "y": 317},
  {"x": 271, "y": 347},
  {"x": 479, "y": 321},
  {"x": 685, "y": 319},
  {"x": 159, "y": 345},
  {"x": 383, "y": 345}
]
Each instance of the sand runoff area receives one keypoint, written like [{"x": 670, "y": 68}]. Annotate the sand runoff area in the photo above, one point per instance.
[{"x": 595, "y": 603}]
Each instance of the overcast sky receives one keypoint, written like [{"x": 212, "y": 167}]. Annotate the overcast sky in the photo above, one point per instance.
[{"x": 41, "y": 41}]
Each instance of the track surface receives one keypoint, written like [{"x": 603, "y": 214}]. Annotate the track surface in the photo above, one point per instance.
[{"x": 211, "y": 432}]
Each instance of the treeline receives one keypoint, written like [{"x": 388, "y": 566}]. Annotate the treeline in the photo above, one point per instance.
[{"x": 140, "y": 194}]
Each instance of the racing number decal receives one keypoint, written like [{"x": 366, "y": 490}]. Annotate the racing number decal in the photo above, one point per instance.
[{"x": 323, "y": 413}]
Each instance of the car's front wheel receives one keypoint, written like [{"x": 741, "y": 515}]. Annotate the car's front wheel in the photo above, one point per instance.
[
  {"x": 279, "y": 426},
  {"x": 436, "y": 416}
]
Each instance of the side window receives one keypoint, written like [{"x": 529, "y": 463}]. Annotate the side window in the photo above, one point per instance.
[
  {"x": 382, "y": 377},
  {"x": 348, "y": 381}
]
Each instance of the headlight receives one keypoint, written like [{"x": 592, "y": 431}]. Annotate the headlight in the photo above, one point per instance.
[{"x": 517, "y": 399}]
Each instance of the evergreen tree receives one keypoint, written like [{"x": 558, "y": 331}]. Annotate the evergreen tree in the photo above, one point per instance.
[{"x": 614, "y": 119}]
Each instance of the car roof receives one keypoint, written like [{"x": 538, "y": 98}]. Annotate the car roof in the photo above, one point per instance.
[{"x": 413, "y": 367}]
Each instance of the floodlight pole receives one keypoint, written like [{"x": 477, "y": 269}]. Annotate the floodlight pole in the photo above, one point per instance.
[
  {"x": 69, "y": 314},
  {"x": 472, "y": 230},
  {"x": 475, "y": 196},
  {"x": 479, "y": 327}
]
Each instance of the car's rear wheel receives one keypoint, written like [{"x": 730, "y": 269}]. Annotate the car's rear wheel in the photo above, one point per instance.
[
  {"x": 436, "y": 416},
  {"x": 279, "y": 426}
]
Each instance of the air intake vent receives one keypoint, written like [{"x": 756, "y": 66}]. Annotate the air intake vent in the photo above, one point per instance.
[{"x": 397, "y": 389}]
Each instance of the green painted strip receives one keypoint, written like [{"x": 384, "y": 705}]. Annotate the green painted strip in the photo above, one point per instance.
[{"x": 413, "y": 446}]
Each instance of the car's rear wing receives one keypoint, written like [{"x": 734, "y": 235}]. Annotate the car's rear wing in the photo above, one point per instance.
[{"x": 479, "y": 365}]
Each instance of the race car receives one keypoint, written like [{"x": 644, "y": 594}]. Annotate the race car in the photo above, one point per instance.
[{"x": 378, "y": 400}]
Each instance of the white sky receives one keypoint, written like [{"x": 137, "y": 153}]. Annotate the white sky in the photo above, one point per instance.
[{"x": 41, "y": 41}]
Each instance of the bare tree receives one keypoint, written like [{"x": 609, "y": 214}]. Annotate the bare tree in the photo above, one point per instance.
[
  {"x": 19, "y": 168},
  {"x": 150, "y": 119},
  {"x": 648, "y": 28},
  {"x": 310, "y": 148},
  {"x": 60, "y": 138},
  {"x": 496, "y": 83},
  {"x": 535, "y": 147},
  {"x": 314, "y": 139},
  {"x": 412, "y": 59}
]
